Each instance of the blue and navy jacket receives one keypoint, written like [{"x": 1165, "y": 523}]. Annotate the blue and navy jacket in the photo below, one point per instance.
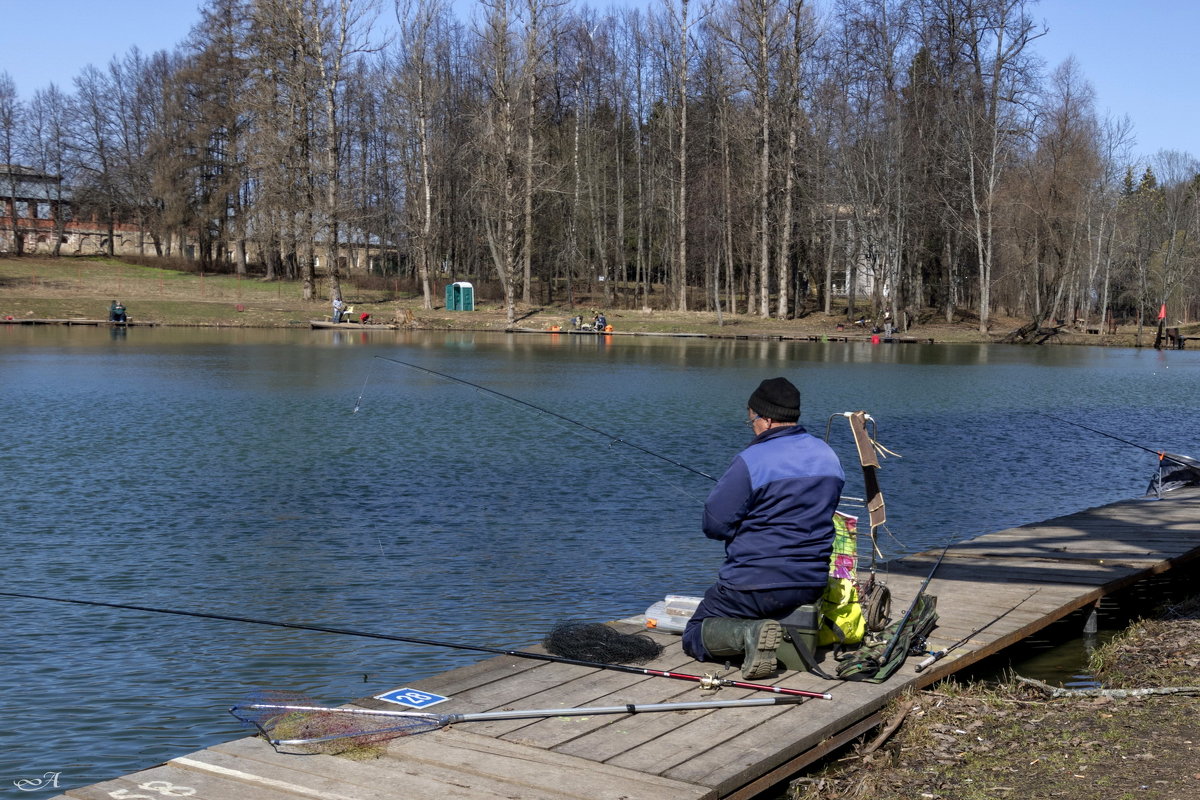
[{"x": 773, "y": 508}]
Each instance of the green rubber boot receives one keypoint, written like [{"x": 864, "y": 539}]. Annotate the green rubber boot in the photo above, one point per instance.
[{"x": 753, "y": 639}]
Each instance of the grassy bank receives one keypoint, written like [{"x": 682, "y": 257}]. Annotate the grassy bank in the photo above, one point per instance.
[{"x": 82, "y": 288}]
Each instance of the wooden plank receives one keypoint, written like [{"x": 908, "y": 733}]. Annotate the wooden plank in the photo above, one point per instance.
[
  {"x": 327, "y": 775},
  {"x": 612, "y": 741},
  {"x": 157, "y": 782},
  {"x": 986, "y": 572},
  {"x": 550, "y": 682},
  {"x": 601, "y": 688},
  {"x": 1111, "y": 576},
  {"x": 448, "y": 763},
  {"x": 553, "y": 733},
  {"x": 678, "y": 742},
  {"x": 487, "y": 757},
  {"x": 739, "y": 761},
  {"x": 789, "y": 768}
]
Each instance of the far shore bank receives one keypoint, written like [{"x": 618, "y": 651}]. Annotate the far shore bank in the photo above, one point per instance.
[{"x": 82, "y": 289}]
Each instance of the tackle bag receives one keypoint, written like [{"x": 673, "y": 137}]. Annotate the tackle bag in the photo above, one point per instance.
[
  {"x": 867, "y": 662},
  {"x": 842, "y": 618}
]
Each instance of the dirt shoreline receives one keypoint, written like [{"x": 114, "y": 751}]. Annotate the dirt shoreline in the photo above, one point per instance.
[
  {"x": 979, "y": 742},
  {"x": 79, "y": 288}
]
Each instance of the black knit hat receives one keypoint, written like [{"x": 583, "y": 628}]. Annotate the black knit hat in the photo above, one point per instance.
[{"x": 777, "y": 399}]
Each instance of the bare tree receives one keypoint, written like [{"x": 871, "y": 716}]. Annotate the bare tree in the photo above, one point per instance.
[
  {"x": 1176, "y": 242},
  {"x": 536, "y": 14},
  {"x": 1051, "y": 195},
  {"x": 755, "y": 34},
  {"x": 1113, "y": 143},
  {"x": 337, "y": 30},
  {"x": 93, "y": 148},
  {"x": 47, "y": 127},
  {"x": 285, "y": 144},
  {"x": 497, "y": 184},
  {"x": 211, "y": 90},
  {"x": 678, "y": 23},
  {"x": 992, "y": 35},
  {"x": 11, "y": 119},
  {"x": 422, "y": 92},
  {"x": 791, "y": 82}
]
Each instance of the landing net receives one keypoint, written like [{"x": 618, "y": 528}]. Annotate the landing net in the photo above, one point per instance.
[
  {"x": 594, "y": 641},
  {"x": 293, "y": 723}
]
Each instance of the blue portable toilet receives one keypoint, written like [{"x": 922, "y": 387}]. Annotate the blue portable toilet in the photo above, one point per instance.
[{"x": 460, "y": 296}]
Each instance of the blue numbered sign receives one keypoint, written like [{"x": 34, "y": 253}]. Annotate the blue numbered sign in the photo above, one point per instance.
[{"x": 413, "y": 698}]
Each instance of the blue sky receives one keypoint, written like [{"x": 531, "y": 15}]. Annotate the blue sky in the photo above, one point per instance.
[{"x": 1139, "y": 56}]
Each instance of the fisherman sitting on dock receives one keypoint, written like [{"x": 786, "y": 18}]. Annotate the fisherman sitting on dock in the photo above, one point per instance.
[
  {"x": 116, "y": 312},
  {"x": 773, "y": 509}
]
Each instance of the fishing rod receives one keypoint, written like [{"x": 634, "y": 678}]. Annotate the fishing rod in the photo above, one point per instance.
[
  {"x": 322, "y": 725},
  {"x": 938, "y": 655},
  {"x": 548, "y": 412},
  {"x": 920, "y": 592},
  {"x": 1183, "y": 461},
  {"x": 705, "y": 681}
]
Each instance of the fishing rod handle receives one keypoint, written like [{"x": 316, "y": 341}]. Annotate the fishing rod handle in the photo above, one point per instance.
[{"x": 930, "y": 660}]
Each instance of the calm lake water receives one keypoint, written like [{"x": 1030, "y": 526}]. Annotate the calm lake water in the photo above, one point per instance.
[{"x": 229, "y": 472}]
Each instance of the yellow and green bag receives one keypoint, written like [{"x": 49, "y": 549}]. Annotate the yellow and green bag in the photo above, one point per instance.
[{"x": 842, "y": 620}]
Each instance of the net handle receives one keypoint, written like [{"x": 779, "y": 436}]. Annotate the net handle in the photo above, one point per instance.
[{"x": 423, "y": 722}]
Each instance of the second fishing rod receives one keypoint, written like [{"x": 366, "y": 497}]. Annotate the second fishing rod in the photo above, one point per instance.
[
  {"x": 1183, "y": 461},
  {"x": 705, "y": 681}
]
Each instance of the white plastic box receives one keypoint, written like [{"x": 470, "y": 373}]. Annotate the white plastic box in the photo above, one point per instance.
[{"x": 671, "y": 614}]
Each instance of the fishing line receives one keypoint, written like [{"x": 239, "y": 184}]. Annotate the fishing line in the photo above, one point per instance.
[
  {"x": 358, "y": 402},
  {"x": 612, "y": 438},
  {"x": 628, "y": 459}
]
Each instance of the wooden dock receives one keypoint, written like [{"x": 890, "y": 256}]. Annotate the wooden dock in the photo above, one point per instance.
[{"x": 1016, "y": 582}]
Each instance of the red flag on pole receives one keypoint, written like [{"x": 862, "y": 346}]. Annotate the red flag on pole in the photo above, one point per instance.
[{"x": 1162, "y": 311}]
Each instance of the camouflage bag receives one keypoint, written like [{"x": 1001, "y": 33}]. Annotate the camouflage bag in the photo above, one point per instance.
[{"x": 881, "y": 654}]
